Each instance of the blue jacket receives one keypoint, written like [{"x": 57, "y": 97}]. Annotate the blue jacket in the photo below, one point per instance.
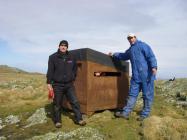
[{"x": 142, "y": 60}]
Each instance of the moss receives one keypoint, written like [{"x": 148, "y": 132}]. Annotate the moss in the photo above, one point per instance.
[{"x": 119, "y": 129}]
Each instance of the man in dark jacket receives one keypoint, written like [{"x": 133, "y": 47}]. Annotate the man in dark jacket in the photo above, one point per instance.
[
  {"x": 61, "y": 74},
  {"x": 144, "y": 69}
]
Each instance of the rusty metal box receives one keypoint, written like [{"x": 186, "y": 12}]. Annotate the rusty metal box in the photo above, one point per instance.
[{"x": 107, "y": 91}]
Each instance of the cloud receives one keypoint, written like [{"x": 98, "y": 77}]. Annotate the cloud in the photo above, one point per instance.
[{"x": 32, "y": 29}]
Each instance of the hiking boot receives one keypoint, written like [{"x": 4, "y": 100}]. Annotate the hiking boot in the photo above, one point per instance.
[
  {"x": 58, "y": 125},
  {"x": 81, "y": 123},
  {"x": 121, "y": 115}
]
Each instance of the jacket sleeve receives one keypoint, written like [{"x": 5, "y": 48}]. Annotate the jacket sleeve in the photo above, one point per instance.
[
  {"x": 122, "y": 56},
  {"x": 149, "y": 56},
  {"x": 50, "y": 71}
]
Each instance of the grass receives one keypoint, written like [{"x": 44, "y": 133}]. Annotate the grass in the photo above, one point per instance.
[
  {"x": 113, "y": 129},
  {"x": 22, "y": 93}
]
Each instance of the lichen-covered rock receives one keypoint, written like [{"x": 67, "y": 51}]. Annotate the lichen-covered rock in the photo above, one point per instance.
[
  {"x": 38, "y": 117},
  {"x": 1, "y": 121},
  {"x": 85, "y": 133},
  {"x": 48, "y": 136},
  {"x": 3, "y": 138},
  {"x": 174, "y": 91},
  {"x": 11, "y": 119},
  {"x": 165, "y": 128},
  {"x": 181, "y": 103}
]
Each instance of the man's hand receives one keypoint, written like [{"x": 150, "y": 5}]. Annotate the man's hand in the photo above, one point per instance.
[
  {"x": 97, "y": 74},
  {"x": 110, "y": 54},
  {"x": 51, "y": 92},
  {"x": 51, "y": 95},
  {"x": 49, "y": 87},
  {"x": 154, "y": 71}
]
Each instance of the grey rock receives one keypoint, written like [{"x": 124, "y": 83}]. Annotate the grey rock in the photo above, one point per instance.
[
  {"x": 181, "y": 103},
  {"x": 48, "y": 136},
  {"x": 11, "y": 119},
  {"x": 85, "y": 133},
  {"x": 174, "y": 92},
  {"x": 181, "y": 96},
  {"x": 3, "y": 138},
  {"x": 1, "y": 121},
  {"x": 38, "y": 117}
]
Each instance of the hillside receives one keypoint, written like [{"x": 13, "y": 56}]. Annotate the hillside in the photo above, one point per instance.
[
  {"x": 25, "y": 113},
  {"x": 7, "y": 69}
]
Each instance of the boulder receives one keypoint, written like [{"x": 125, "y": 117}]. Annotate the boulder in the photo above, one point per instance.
[
  {"x": 38, "y": 117},
  {"x": 3, "y": 138},
  {"x": 85, "y": 133},
  {"x": 11, "y": 119}
]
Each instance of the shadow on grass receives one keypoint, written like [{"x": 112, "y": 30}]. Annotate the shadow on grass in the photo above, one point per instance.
[{"x": 64, "y": 112}]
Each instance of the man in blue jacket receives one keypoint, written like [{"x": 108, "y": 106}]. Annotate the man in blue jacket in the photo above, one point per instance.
[{"x": 144, "y": 69}]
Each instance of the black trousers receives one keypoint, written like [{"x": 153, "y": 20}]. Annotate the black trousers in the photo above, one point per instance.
[{"x": 67, "y": 90}]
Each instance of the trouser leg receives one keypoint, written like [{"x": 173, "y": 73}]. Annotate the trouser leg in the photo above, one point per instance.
[
  {"x": 70, "y": 95},
  {"x": 148, "y": 95},
  {"x": 132, "y": 97},
  {"x": 57, "y": 103}
]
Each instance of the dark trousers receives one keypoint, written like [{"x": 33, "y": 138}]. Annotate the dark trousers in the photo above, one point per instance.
[{"x": 67, "y": 90}]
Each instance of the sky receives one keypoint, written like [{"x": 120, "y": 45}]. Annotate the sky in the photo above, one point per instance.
[{"x": 30, "y": 30}]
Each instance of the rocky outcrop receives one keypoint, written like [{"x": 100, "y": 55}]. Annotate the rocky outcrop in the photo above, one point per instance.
[
  {"x": 3, "y": 138},
  {"x": 175, "y": 92},
  {"x": 85, "y": 133},
  {"x": 11, "y": 119},
  {"x": 38, "y": 117}
]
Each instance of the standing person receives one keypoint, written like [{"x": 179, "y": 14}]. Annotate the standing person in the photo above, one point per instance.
[
  {"x": 61, "y": 74},
  {"x": 144, "y": 69}
]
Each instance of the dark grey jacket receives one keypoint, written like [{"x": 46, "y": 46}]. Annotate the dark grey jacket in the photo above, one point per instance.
[{"x": 62, "y": 68}]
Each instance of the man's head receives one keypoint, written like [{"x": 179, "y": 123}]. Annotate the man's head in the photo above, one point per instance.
[
  {"x": 63, "y": 46},
  {"x": 131, "y": 38}
]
